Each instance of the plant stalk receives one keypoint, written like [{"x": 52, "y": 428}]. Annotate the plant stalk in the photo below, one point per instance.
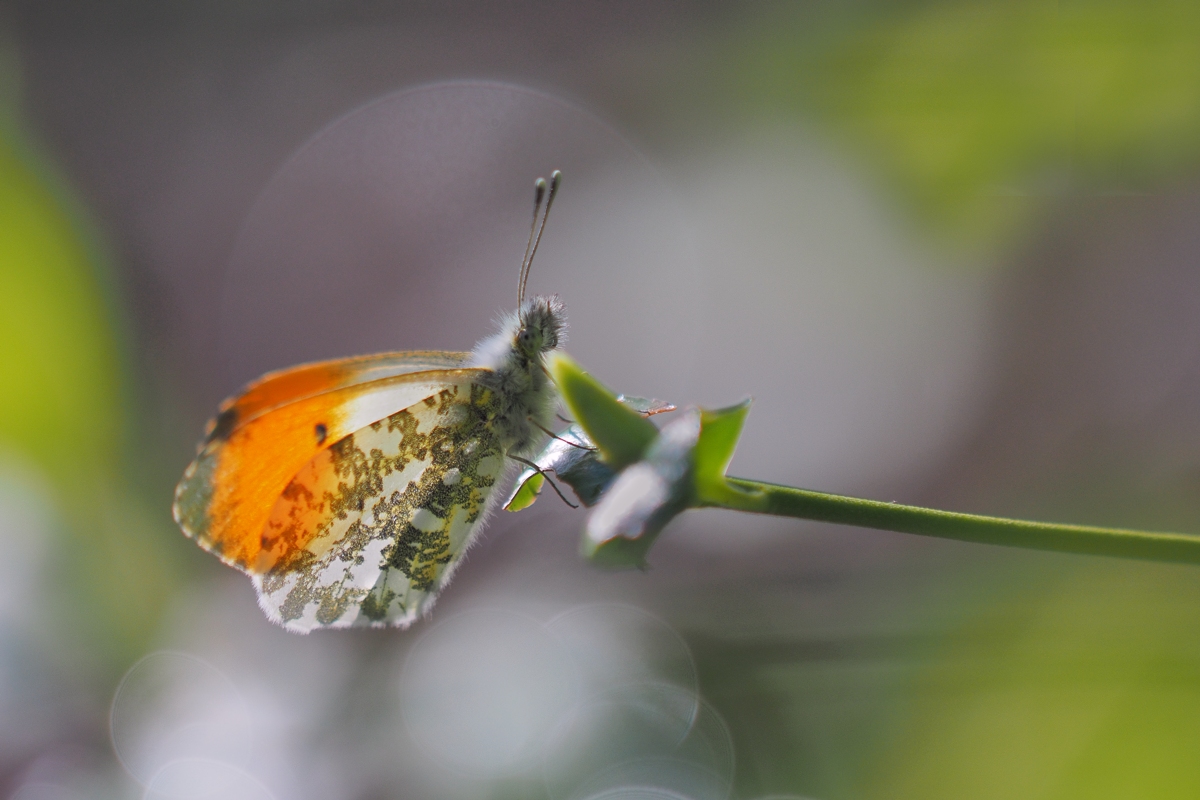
[{"x": 767, "y": 498}]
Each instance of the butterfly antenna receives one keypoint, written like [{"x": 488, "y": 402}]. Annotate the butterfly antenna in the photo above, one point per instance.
[
  {"x": 539, "y": 193},
  {"x": 535, "y": 240}
]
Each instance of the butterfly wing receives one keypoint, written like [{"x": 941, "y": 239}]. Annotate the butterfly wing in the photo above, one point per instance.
[
  {"x": 371, "y": 528},
  {"x": 297, "y": 383},
  {"x": 263, "y": 438}
]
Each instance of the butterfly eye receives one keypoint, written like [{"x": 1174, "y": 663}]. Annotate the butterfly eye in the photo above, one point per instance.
[{"x": 525, "y": 337}]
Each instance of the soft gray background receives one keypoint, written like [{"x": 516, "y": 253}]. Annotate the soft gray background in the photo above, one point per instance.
[{"x": 705, "y": 253}]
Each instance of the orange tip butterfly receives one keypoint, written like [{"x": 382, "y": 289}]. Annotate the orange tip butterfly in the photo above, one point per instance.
[{"x": 349, "y": 489}]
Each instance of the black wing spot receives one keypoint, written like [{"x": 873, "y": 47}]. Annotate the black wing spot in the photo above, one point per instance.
[
  {"x": 321, "y": 432},
  {"x": 222, "y": 426}
]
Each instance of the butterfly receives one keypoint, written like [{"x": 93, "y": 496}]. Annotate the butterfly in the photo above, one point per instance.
[{"x": 349, "y": 489}]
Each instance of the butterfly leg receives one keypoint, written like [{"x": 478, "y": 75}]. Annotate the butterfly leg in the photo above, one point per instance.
[
  {"x": 554, "y": 435},
  {"x": 545, "y": 475}
]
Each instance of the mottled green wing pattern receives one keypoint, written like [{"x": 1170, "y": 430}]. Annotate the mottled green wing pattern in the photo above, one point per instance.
[{"x": 370, "y": 529}]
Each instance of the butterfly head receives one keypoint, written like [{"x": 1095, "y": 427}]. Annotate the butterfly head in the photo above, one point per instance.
[
  {"x": 515, "y": 353},
  {"x": 541, "y": 323}
]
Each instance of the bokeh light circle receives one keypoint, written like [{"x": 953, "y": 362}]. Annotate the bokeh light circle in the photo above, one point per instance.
[
  {"x": 171, "y": 706},
  {"x": 653, "y": 735},
  {"x": 616, "y": 645},
  {"x": 401, "y": 225},
  {"x": 637, "y": 793},
  {"x": 482, "y": 691},
  {"x": 204, "y": 779},
  {"x": 37, "y": 790}
]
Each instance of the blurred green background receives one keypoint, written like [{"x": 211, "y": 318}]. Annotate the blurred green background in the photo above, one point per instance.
[{"x": 1047, "y": 148}]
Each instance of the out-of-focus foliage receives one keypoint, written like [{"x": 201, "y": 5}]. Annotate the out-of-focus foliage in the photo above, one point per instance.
[
  {"x": 62, "y": 410},
  {"x": 978, "y": 111},
  {"x": 1072, "y": 685},
  {"x": 1089, "y": 691},
  {"x": 61, "y": 405}
]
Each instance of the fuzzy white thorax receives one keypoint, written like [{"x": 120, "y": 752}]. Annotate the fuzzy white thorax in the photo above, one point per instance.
[
  {"x": 514, "y": 356},
  {"x": 493, "y": 352}
]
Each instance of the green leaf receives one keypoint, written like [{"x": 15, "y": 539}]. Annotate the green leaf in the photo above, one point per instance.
[
  {"x": 661, "y": 473},
  {"x": 645, "y": 497},
  {"x": 719, "y": 434},
  {"x": 618, "y": 552},
  {"x": 525, "y": 493},
  {"x": 621, "y": 433}
]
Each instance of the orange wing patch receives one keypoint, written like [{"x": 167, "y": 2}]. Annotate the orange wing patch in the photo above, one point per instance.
[
  {"x": 228, "y": 492},
  {"x": 290, "y": 385},
  {"x": 371, "y": 528}
]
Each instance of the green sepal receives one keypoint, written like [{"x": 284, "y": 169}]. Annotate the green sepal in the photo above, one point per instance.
[
  {"x": 528, "y": 487},
  {"x": 650, "y": 476},
  {"x": 645, "y": 497},
  {"x": 621, "y": 433},
  {"x": 720, "y": 430},
  {"x": 618, "y": 553},
  {"x": 572, "y": 456}
]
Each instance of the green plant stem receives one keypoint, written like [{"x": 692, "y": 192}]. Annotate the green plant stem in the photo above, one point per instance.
[{"x": 766, "y": 498}]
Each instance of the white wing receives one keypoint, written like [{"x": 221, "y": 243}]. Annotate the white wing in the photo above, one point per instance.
[{"x": 371, "y": 528}]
